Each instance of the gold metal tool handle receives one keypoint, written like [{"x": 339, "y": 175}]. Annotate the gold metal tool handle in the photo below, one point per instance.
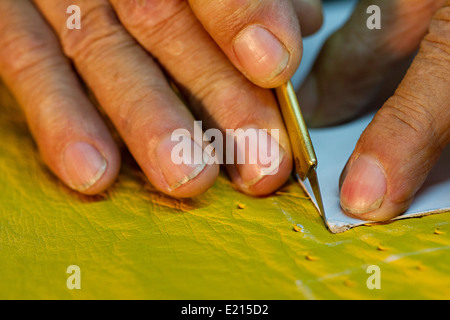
[{"x": 302, "y": 148}]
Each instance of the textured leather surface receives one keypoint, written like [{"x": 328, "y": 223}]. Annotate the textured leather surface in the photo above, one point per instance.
[{"x": 133, "y": 243}]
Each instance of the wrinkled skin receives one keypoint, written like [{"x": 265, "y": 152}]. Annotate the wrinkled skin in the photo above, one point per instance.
[{"x": 224, "y": 56}]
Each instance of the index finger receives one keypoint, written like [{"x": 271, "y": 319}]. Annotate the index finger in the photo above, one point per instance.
[{"x": 261, "y": 38}]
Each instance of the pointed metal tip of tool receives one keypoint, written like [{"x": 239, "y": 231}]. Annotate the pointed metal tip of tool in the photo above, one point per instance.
[{"x": 314, "y": 182}]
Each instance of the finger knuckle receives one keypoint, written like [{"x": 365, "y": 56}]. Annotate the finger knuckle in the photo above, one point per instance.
[
  {"x": 23, "y": 52},
  {"x": 132, "y": 117},
  {"x": 231, "y": 102},
  {"x": 234, "y": 14},
  {"x": 100, "y": 30},
  {"x": 50, "y": 117},
  {"x": 404, "y": 115},
  {"x": 149, "y": 14},
  {"x": 438, "y": 36},
  {"x": 441, "y": 18}
]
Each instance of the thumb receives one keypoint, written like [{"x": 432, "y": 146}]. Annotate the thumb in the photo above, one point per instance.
[{"x": 405, "y": 139}]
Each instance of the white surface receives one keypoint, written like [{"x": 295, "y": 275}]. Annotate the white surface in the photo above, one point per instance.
[{"x": 334, "y": 145}]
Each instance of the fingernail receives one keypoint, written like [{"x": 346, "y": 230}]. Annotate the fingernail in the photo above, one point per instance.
[
  {"x": 180, "y": 161},
  {"x": 258, "y": 154},
  {"x": 364, "y": 187},
  {"x": 260, "y": 53},
  {"x": 84, "y": 165}
]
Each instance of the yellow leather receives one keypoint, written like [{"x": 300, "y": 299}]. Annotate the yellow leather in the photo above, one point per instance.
[{"x": 134, "y": 243}]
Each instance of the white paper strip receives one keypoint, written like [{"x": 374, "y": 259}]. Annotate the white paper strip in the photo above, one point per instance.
[{"x": 334, "y": 146}]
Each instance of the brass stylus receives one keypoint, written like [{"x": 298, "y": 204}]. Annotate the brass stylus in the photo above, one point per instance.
[{"x": 302, "y": 148}]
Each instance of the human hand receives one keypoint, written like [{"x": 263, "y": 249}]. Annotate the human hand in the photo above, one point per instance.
[
  {"x": 358, "y": 69},
  {"x": 205, "y": 48}
]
